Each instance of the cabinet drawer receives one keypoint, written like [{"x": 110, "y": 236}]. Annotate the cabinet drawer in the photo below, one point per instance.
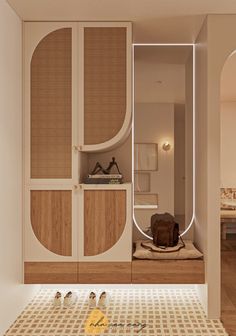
[
  {"x": 51, "y": 272},
  {"x": 104, "y": 272},
  {"x": 168, "y": 271}
]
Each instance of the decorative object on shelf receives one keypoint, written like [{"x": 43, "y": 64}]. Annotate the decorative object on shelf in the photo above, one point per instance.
[
  {"x": 145, "y": 156},
  {"x": 228, "y": 198},
  {"x": 101, "y": 175},
  {"x": 141, "y": 182},
  {"x": 166, "y": 146},
  {"x": 145, "y": 201},
  {"x": 98, "y": 167}
]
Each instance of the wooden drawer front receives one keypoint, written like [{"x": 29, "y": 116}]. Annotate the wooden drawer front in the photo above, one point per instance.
[
  {"x": 50, "y": 272},
  {"x": 104, "y": 272},
  {"x": 104, "y": 83},
  {"x": 168, "y": 271},
  {"x": 51, "y": 219},
  {"x": 51, "y": 106},
  {"x": 104, "y": 219}
]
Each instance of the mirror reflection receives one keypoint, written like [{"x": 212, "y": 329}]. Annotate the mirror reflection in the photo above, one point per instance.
[{"x": 163, "y": 133}]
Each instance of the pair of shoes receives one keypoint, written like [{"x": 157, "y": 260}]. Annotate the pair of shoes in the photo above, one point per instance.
[
  {"x": 69, "y": 299},
  {"x": 102, "y": 302}
]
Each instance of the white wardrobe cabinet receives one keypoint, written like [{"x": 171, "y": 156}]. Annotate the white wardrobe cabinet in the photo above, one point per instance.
[{"x": 77, "y": 98}]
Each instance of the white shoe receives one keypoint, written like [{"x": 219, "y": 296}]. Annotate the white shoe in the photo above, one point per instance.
[
  {"x": 92, "y": 300},
  {"x": 57, "y": 299},
  {"x": 103, "y": 299},
  {"x": 69, "y": 299}
]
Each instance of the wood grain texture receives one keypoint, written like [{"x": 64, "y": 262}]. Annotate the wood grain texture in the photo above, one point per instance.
[
  {"x": 51, "y": 219},
  {"x": 50, "y": 273},
  {"x": 51, "y": 106},
  {"x": 104, "y": 272},
  {"x": 228, "y": 285},
  {"x": 104, "y": 219},
  {"x": 104, "y": 83},
  {"x": 168, "y": 271},
  {"x": 226, "y": 217}
]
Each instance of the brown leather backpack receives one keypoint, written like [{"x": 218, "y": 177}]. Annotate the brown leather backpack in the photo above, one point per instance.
[{"x": 165, "y": 230}]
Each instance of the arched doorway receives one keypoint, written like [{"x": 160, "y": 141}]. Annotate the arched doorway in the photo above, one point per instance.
[{"x": 228, "y": 193}]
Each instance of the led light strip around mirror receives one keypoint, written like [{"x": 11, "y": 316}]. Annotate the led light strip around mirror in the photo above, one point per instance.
[{"x": 194, "y": 132}]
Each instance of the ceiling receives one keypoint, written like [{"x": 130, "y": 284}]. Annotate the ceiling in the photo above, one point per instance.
[
  {"x": 154, "y": 21},
  {"x": 162, "y": 54},
  {"x": 159, "y": 21}
]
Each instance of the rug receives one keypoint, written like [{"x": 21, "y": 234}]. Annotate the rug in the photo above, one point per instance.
[{"x": 150, "y": 312}]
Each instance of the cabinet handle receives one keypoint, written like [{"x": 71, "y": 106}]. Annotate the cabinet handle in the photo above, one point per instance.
[
  {"x": 77, "y": 186},
  {"x": 77, "y": 148}
]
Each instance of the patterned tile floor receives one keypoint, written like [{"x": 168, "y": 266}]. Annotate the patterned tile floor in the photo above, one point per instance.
[{"x": 150, "y": 312}]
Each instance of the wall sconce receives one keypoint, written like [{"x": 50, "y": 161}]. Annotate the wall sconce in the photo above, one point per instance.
[{"x": 166, "y": 146}]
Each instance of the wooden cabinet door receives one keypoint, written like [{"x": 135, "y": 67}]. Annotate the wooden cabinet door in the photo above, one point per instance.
[
  {"x": 50, "y": 162},
  {"x": 51, "y": 107},
  {"x": 51, "y": 219},
  {"x": 105, "y": 64},
  {"x": 104, "y": 219}
]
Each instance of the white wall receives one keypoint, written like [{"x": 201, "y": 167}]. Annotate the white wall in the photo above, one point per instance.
[
  {"x": 189, "y": 142},
  {"x": 207, "y": 229},
  {"x": 228, "y": 143},
  {"x": 13, "y": 295},
  {"x": 154, "y": 123},
  {"x": 221, "y": 43},
  {"x": 179, "y": 164},
  {"x": 214, "y": 45},
  {"x": 201, "y": 223}
]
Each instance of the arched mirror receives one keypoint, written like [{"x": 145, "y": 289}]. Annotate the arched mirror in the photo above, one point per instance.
[{"x": 163, "y": 133}]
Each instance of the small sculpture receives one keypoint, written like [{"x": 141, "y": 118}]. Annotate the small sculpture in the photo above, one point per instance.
[
  {"x": 101, "y": 175},
  {"x": 98, "y": 168}
]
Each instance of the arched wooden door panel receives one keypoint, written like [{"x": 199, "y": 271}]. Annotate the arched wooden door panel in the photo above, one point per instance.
[
  {"x": 104, "y": 219},
  {"x": 51, "y": 219}
]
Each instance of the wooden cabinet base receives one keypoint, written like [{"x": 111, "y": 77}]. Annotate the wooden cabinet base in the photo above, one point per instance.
[
  {"x": 168, "y": 272},
  {"x": 104, "y": 272},
  {"x": 137, "y": 272},
  {"x": 51, "y": 273}
]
